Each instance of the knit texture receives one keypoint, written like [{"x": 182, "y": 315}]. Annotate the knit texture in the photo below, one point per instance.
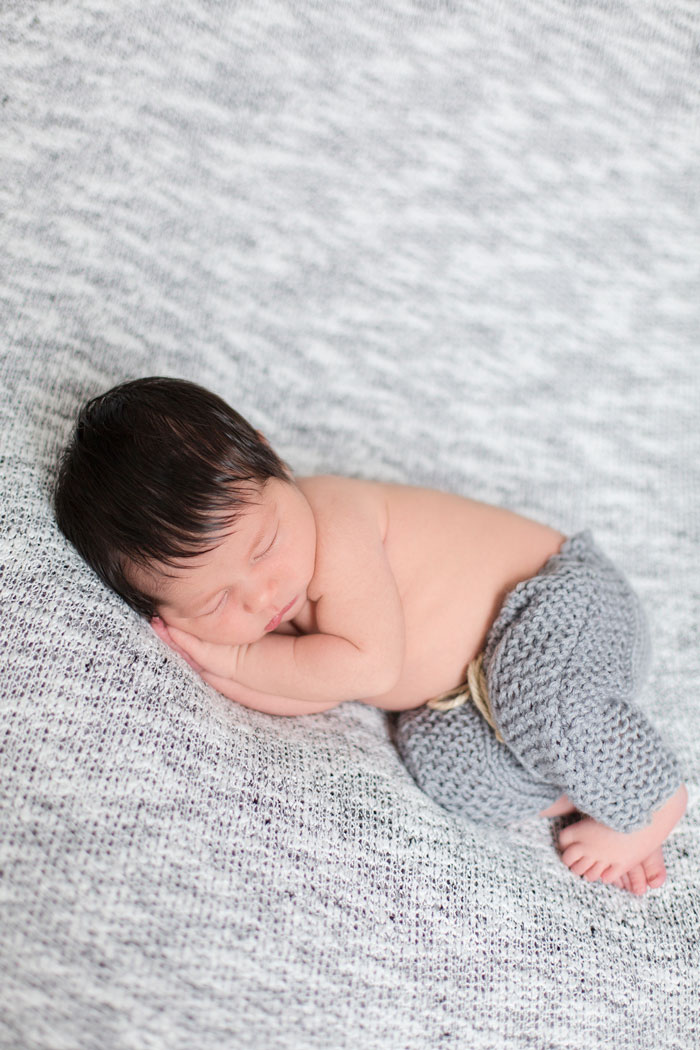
[
  {"x": 563, "y": 661},
  {"x": 455, "y": 758},
  {"x": 449, "y": 243}
]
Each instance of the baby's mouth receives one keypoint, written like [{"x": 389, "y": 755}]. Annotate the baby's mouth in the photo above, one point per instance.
[{"x": 277, "y": 620}]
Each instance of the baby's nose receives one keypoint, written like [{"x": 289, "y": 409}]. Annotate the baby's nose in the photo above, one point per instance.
[{"x": 260, "y": 598}]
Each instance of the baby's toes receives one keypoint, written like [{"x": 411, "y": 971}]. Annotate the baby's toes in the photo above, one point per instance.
[
  {"x": 588, "y": 867},
  {"x": 637, "y": 880},
  {"x": 595, "y": 870},
  {"x": 623, "y": 883},
  {"x": 569, "y": 836},
  {"x": 655, "y": 869},
  {"x": 574, "y": 856}
]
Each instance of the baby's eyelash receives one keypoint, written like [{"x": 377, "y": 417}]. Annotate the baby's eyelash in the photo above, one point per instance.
[
  {"x": 219, "y": 604},
  {"x": 267, "y": 549}
]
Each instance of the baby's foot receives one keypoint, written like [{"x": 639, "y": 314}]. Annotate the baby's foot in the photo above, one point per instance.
[
  {"x": 595, "y": 851},
  {"x": 650, "y": 874}
]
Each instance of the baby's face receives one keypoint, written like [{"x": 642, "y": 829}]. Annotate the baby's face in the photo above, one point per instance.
[{"x": 254, "y": 580}]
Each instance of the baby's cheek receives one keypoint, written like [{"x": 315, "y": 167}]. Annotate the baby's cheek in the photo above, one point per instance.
[{"x": 184, "y": 624}]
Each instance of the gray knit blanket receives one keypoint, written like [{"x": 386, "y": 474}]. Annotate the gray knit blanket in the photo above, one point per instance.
[{"x": 443, "y": 242}]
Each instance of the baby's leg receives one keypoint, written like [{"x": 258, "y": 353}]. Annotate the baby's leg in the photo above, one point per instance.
[
  {"x": 563, "y": 661},
  {"x": 560, "y": 808},
  {"x": 455, "y": 759}
]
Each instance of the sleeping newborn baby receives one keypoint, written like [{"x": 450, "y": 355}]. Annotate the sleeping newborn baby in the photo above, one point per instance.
[{"x": 510, "y": 653}]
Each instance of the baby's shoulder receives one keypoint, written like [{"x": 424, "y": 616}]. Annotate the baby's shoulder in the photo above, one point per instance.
[
  {"x": 342, "y": 505},
  {"x": 328, "y": 491}
]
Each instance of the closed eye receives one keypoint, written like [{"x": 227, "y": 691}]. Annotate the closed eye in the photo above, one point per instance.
[
  {"x": 219, "y": 605},
  {"x": 268, "y": 548}
]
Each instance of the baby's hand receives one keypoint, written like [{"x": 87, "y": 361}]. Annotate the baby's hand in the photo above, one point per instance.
[
  {"x": 207, "y": 658},
  {"x": 163, "y": 632},
  {"x": 270, "y": 703}
]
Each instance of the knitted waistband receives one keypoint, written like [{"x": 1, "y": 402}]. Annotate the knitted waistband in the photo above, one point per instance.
[{"x": 474, "y": 688}]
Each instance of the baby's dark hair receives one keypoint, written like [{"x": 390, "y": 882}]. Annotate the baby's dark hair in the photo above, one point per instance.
[{"x": 156, "y": 469}]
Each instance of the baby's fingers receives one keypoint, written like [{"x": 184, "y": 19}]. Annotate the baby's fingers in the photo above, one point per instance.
[
  {"x": 217, "y": 659},
  {"x": 163, "y": 632}
]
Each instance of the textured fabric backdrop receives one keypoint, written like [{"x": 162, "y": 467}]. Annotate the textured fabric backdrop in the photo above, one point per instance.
[{"x": 454, "y": 244}]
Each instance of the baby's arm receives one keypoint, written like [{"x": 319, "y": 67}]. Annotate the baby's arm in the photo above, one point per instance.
[
  {"x": 266, "y": 702},
  {"x": 269, "y": 703},
  {"x": 359, "y": 649}
]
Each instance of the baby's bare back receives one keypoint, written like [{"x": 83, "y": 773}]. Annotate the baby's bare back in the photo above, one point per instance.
[{"x": 454, "y": 561}]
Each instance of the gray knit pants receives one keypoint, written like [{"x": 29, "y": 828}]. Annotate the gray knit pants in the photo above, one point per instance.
[{"x": 563, "y": 660}]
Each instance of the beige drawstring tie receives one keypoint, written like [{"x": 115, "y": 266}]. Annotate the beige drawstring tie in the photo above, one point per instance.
[{"x": 474, "y": 689}]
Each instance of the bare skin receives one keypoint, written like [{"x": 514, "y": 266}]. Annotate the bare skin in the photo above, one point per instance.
[
  {"x": 332, "y": 589},
  {"x": 633, "y": 861}
]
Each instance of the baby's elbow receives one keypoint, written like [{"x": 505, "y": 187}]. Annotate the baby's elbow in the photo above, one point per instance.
[
  {"x": 382, "y": 681},
  {"x": 386, "y": 670}
]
